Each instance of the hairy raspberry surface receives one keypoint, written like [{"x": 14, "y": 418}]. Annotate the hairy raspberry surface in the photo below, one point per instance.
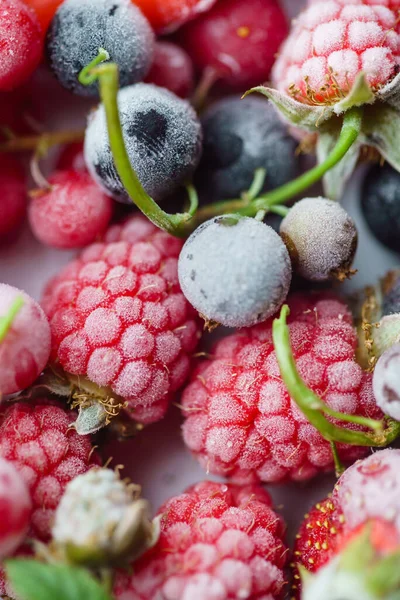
[
  {"x": 334, "y": 40},
  {"x": 240, "y": 419},
  {"x": 118, "y": 316},
  {"x": 217, "y": 542},
  {"x": 35, "y": 436}
]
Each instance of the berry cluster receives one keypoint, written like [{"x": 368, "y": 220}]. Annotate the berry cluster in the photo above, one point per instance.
[{"x": 231, "y": 231}]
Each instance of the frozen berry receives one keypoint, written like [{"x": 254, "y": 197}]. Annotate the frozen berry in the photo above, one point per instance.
[
  {"x": 81, "y": 27},
  {"x": 217, "y": 542},
  {"x": 241, "y": 136},
  {"x": 321, "y": 238},
  {"x": 118, "y": 316},
  {"x": 24, "y": 340},
  {"x": 45, "y": 10},
  {"x": 13, "y": 195},
  {"x": 37, "y": 437},
  {"x": 15, "y": 508},
  {"x": 391, "y": 294},
  {"x": 101, "y": 520},
  {"x": 239, "y": 40},
  {"x": 235, "y": 271},
  {"x": 386, "y": 382},
  {"x": 240, "y": 420},
  {"x": 72, "y": 157},
  {"x": 167, "y": 15},
  {"x": 162, "y": 135},
  {"x": 331, "y": 43},
  {"x": 21, "y": 43},
  {"x": 380, "y": 201},
  {"x": 172, "y": 68},
  {"x": 72, "y": 213}
]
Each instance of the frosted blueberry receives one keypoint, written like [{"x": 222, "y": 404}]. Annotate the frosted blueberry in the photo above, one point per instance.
[
  {"x": 386, "y": 382},
  {"x": 162, "y": 136},
  {"x": 81, "y": 27},
  {"x": 241, "y": 136},
  {"x": 235, "y": 271},
  {"x": 321, "y": 238}
]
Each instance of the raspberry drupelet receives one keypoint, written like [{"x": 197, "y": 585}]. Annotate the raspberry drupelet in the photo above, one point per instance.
[
  {"x": 240, "y": 420},
  {"x": 218, "y": 542},
  {"x": 332, "y": 42},
  {"x": 15, "y": 508},
  {"x": 118, "y": 316}
]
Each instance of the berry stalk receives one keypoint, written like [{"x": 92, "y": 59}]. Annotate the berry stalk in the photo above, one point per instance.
[
  {"x": 8, "y": 319},
  {"x": 42, "y": 141},
  {"x": 315, "y": 409}
]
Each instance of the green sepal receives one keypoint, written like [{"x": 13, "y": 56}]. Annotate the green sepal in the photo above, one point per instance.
[
  {"x": 32, "y": 580},
  {"x": 359, "y": 95},
  {"x": 91, "y": 419},
  {"x": 335, "y": 180},
  {"x": 381, "y": 130},
  {"x": 390, "y": 93}
]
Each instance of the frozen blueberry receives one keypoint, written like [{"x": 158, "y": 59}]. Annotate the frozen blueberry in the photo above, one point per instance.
[
  {"x": 162, "y": 135},
  {"x": 381, "y": 204},
  {"x": 386, "y": 382},
  {"x": 241, "y": 136},
  {"x": 321, "y": 238},
  {"x": 235, "y": 271},
  {"x": 81, "y": 27},
  {"x": 391, "y": 294}
]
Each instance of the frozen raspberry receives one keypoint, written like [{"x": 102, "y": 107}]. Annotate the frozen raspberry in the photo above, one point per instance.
[
  {"x": 73, "y": 213},
  {"x": 172, "y": 68},
  {"x": 240, "y": 420},
  {"x": 217, "y": 542},
  {"x": 37, "y": 438},
  {"x": 13, "y": 195},
  {"x": 15, "y": 508},
  {"x": 167, "y": 15},
  {"x": 24, "y": 340},
  {"x": 119, "y": 317},
  {"x": 237, "y": 40},
  {"x": 21, "y": 43},
  {"x": 72, "y": 158},
  {"x": 332, "y": 42}
]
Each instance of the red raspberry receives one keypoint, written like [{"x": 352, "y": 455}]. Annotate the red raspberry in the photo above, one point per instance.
[
  {"x": 238, "y": 40},
  {"x": 15, "y": 508},
  {"x": 331, "y": 42},
  {"x": 240, "y": 420},
  {"x": 73, "y": 213},
  {"x": 119, "y": 317},
  {"x": 72, "y": 158},
  {"x": 167, "y": 15},
  {"x": 217, "y": 542},
  {"x": 37, "y": 438},
  {"x": 13, "y": 195},
  {"x": 21, "y": 43},
  {"x": 172, "y": 68}
]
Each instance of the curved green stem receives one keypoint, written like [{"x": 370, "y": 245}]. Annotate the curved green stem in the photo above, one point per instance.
[
  {"x": 107, "y": 74},
  {"x": 8, "y": 319},
  {"x": 315, "y": 409},
  {"x": 86, "y": 76}
]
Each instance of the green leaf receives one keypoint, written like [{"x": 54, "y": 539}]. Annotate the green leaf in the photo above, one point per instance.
[
  {"x": 32, "y": 580},
  {"x": 336, "y": 179},
  {"x": 381, "y": 129},
  {"x": 359, "y": 95}
]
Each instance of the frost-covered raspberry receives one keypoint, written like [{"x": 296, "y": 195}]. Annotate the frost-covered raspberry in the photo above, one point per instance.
[
  {"x": 331, "y": 42},
  {"x": 36, "y": 437},
  {"x": 240, "y": 420},
  {"x": 101, "y": 520},
  {"x": 15, "y": 508},
  {"x": 162, "y": 136},
  {"x": 73, "y": 213},
  {"x": 321, "y": 238},
  {"x": 217, "y": 542},
  {"x": 235, "y": 272},
  {"x": 24, "y": 340},
  {"x": 80, "y": 28},
  {"x": 118, "y": 316}
]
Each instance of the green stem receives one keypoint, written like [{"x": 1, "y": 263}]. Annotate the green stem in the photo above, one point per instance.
[
  {"x": 86, "y": 76},
  {"x": 8, "y": 320},
  {"x": 314, "y": 408},
  {"x": 107, "y": 74},
  {"x": 339, "y": 468}
]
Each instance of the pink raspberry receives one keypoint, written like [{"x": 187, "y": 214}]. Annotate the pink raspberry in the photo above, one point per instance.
[
  {"x": 118, "y": 316},
  {"x": 73, "y": 213},
  {"x": 240, "y": 419},
  {"x": 36, "y": 437},
  {"x": 25, "y": 343},
  {"x": 217, "y": 542},
  {"x": 15, "y": 508},
  {"x": 331, "y": 42}
]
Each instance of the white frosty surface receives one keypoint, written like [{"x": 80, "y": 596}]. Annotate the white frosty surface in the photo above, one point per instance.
[{"x": 386, "y": 382}]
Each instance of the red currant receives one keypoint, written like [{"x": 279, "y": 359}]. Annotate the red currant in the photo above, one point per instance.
[
  {"x": 71, "y": 158},
  {"x": 238, "y": 39},
  {"x": 13, "y": 195},
  {"x": 20, "y": 43},
  {"x": 169, "y": 14},
  {"x": 172, "y": 69},
  {"x": 45, "y": 10}
]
